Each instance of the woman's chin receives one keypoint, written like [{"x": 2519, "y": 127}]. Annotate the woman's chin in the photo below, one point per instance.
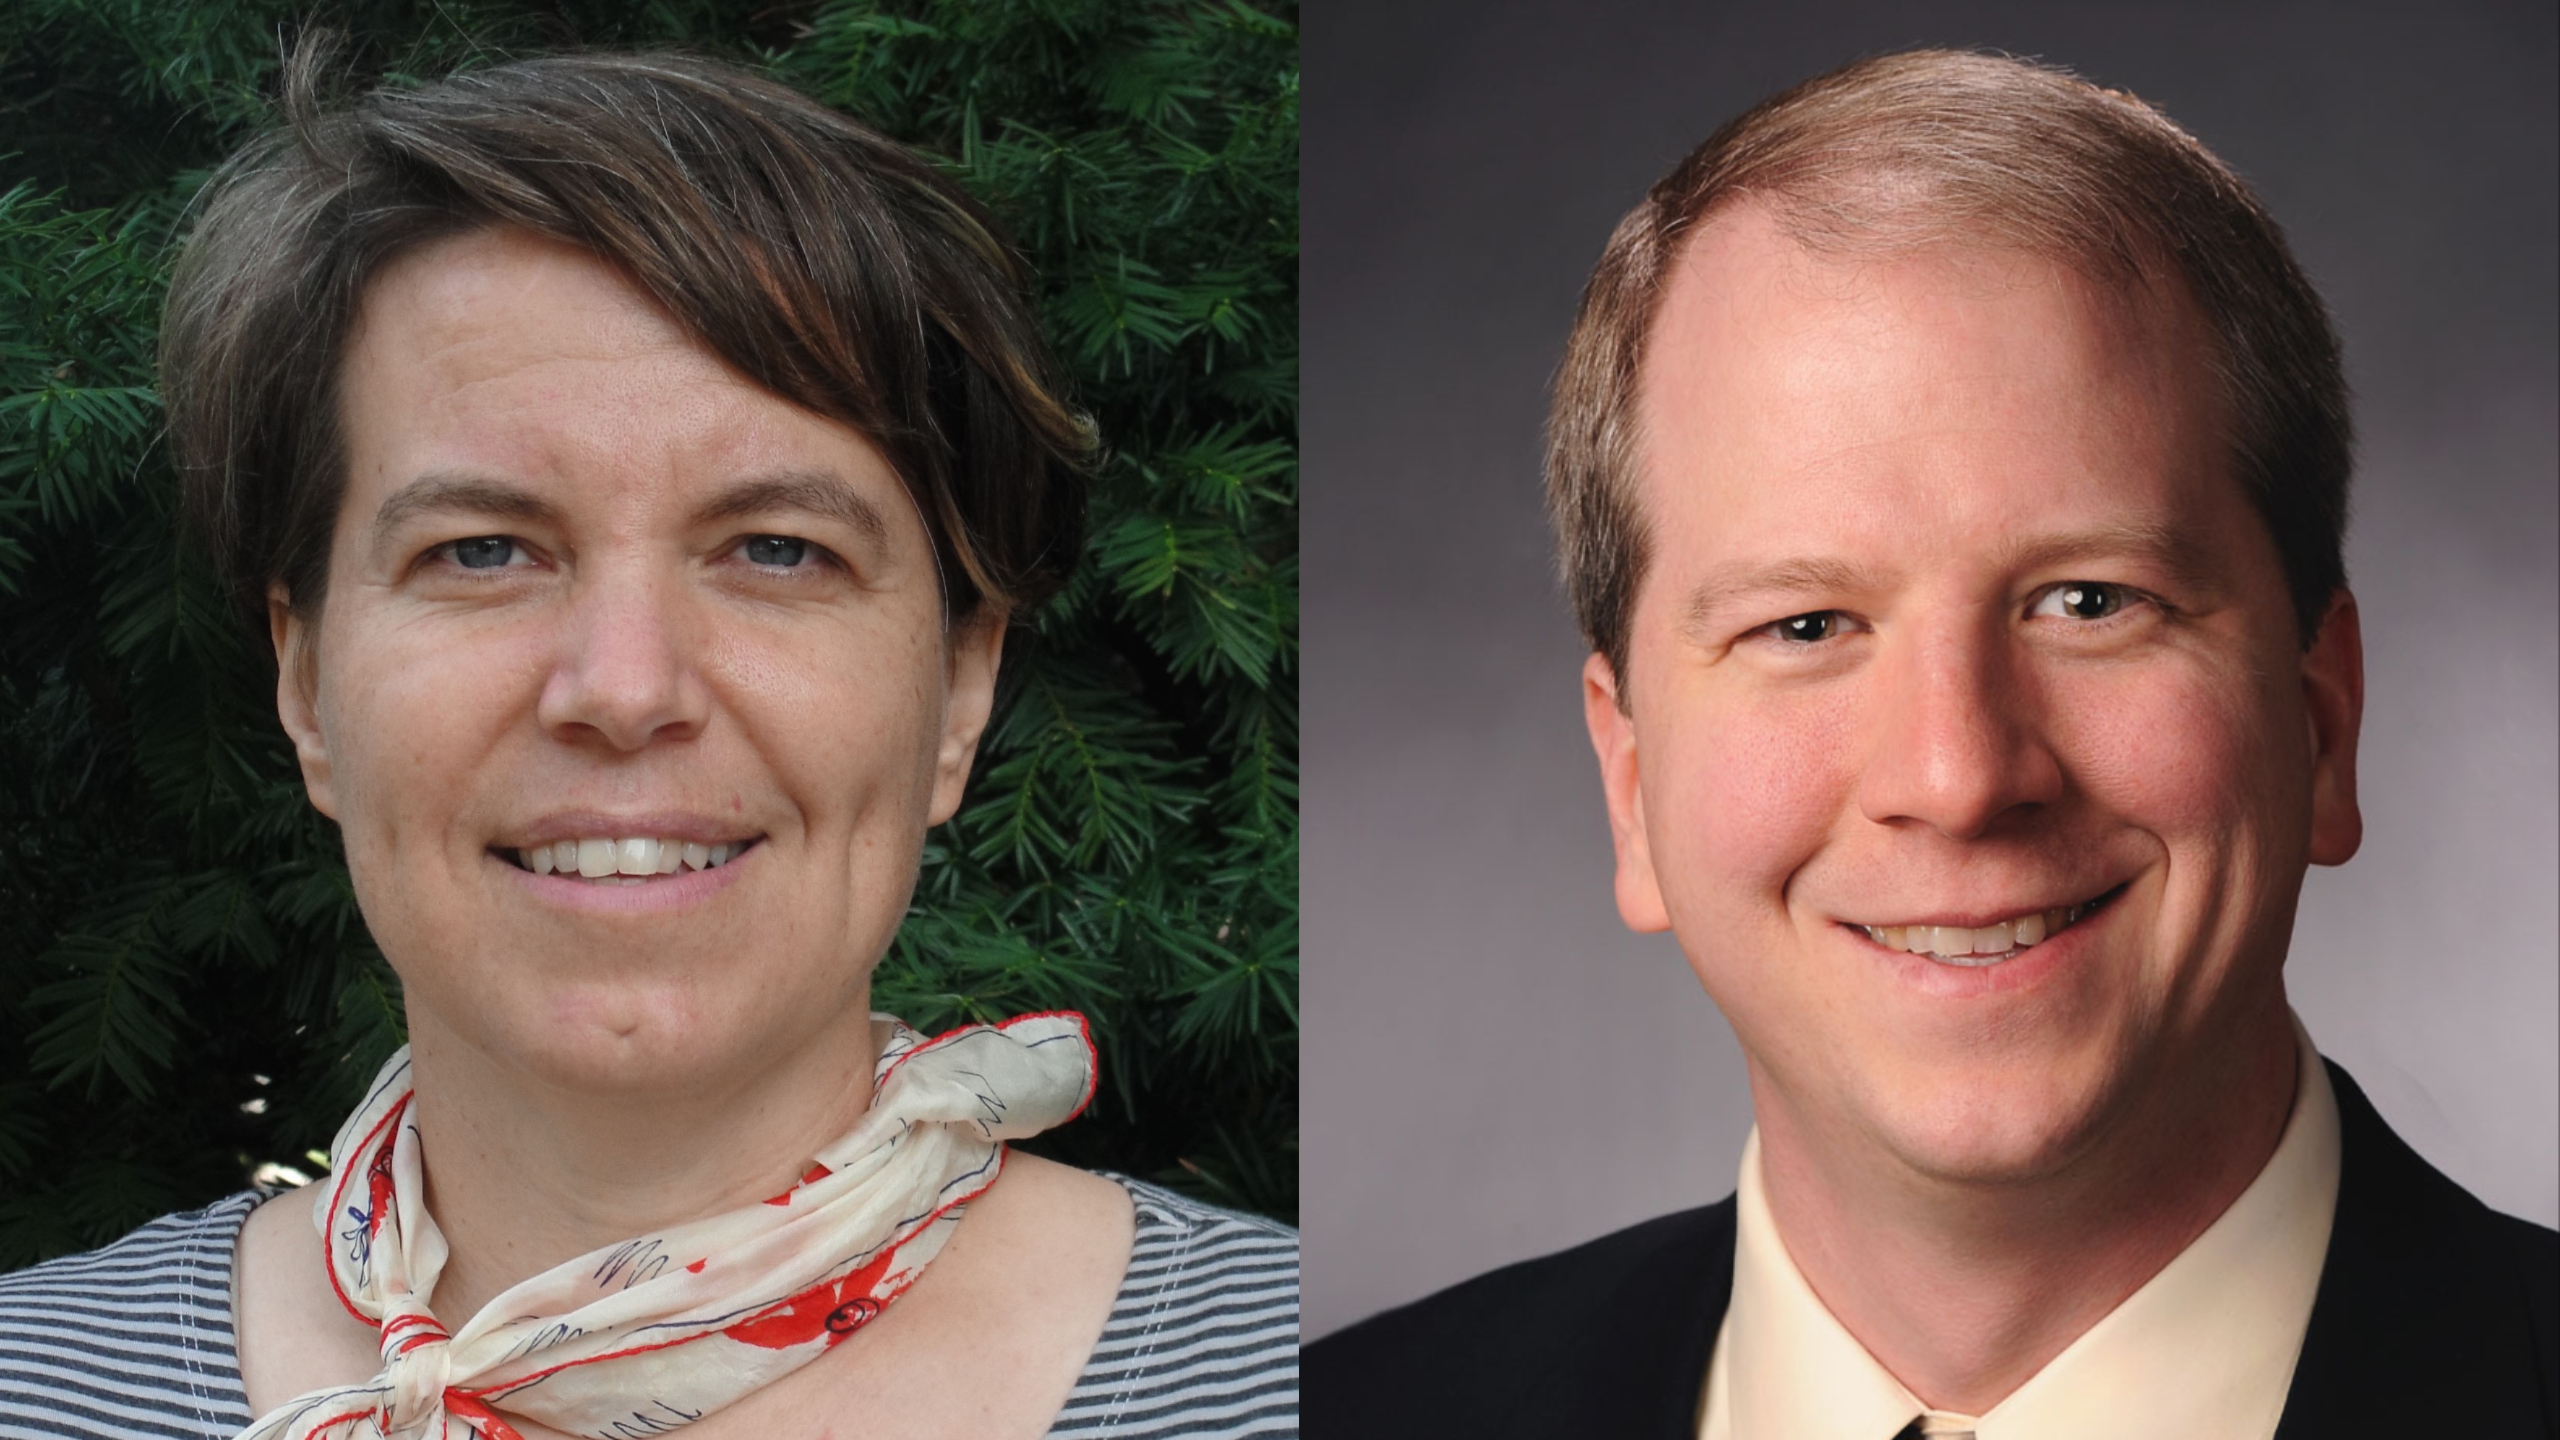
[{"x": 640, "y": 1051}]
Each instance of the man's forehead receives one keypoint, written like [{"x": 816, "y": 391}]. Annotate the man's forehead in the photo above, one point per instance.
[
  {"x": 1766, "y": 344},
  {"x": 1794, "y": 400},
  {"x": 1748, "y": 268}
]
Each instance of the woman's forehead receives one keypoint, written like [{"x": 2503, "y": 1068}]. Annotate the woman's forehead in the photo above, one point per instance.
[
  {"x": 468, "y": 309},
  {"x": 509, "y": 356}
]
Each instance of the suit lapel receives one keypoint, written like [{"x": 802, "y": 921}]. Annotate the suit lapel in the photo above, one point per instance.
[
  {"x": 1638, "y": 1365},
  {"x": 2417, "y": 1320},
  {"x": 1682, "y": 1349}
]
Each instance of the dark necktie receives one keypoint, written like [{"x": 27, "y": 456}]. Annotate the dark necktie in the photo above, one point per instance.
[{"x": 1912, "y": 1431}]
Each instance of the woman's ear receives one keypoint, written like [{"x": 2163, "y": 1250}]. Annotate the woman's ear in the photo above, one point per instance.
[
  {"x": 298, "y": 695},
  {"x": 976, "y": 646}
]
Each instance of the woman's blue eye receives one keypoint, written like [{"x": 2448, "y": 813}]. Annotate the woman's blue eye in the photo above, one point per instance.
[
  {"x": 776, "y": 550},
  {"x": 483, "y": 552}
]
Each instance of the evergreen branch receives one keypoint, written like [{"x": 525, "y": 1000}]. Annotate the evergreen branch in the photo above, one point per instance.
[{"x": 115, "y": 1009}]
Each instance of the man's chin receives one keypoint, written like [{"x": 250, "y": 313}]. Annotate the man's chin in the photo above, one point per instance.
[{"x": 2003, "y": 1131}]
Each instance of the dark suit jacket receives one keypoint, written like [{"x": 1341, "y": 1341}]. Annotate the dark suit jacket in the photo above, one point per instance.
[{"x": 2435, "y": 1317}]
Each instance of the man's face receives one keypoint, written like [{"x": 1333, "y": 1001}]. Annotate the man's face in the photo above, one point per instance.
[{"x": 1955, "y": 618}]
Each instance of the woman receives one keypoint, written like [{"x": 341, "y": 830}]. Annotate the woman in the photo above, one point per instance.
[{"x": 637, "y": 464}]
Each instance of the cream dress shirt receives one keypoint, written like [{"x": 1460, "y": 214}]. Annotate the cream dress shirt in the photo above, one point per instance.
[{"x": 2203, "y": 1351}]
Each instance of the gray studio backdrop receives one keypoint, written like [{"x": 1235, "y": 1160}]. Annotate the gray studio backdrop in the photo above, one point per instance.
[{"x": 1494, "y": 1068}]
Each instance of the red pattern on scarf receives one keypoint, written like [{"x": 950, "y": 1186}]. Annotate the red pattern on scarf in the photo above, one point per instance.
[{"x": 834, "y": 1309}]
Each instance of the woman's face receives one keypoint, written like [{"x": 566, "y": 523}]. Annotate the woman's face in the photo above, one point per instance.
[{"x": 591, "y": 588}]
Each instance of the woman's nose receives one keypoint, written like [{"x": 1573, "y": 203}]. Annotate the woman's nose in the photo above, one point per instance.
[
  {"x": 625, "y": 672},
  {"x": 1958, "y": 743}
]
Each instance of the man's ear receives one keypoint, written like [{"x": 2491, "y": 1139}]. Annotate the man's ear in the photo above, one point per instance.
[
  {"x": 2333, "y": 700},
  {"x": 969, "y": 695},
  {"x": 1613, "y": 738},
  {"x": 297, "y": 696}
]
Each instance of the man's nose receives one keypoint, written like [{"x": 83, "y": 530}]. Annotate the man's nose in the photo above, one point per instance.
[
  {"x": 625, "y": 670},
  {"x": 1958, "y": 743}
]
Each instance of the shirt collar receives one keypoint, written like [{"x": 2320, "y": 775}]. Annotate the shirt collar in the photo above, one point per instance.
[{"x": 2204, "y": 1349}]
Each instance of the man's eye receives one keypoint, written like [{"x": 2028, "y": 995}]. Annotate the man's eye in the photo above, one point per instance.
[
  {"x": 777, "y": 550},
  {"x": 482, "y": 552},
  {"x": 2083, "y": 600},
  {"x": 1807, "y": 629}
]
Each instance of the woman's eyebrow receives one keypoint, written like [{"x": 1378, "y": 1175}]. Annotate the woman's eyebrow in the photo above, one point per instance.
[
  {"x": 469, "y": 494},
  {"x": 817, "y": 492}
]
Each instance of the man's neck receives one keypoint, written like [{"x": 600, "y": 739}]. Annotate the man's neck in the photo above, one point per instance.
[
  {"x": 522, "y": 1176},
  {"x": 1964, "y": 1291}
]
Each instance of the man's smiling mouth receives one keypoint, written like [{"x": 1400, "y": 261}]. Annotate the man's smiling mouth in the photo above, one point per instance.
[
  {"x": 1973, "y": 946},
  {"x": 617, "y": 860}
]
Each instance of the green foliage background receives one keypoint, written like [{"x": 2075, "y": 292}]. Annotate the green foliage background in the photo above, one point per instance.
[{"x": 186, "y": 989}]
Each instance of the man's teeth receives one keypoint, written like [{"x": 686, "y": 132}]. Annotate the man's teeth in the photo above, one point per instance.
[
  {"x": 1959, "y": 945},
  {"x": 603, "y": 859}
]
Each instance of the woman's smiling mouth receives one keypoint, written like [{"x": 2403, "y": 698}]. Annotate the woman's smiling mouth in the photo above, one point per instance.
[{"x": 623, "y": 860}]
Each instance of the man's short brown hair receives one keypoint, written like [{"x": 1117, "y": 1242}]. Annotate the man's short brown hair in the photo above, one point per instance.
[
  {"x": 833, "y": 267},
  {"x": 1931, "y": 146}
]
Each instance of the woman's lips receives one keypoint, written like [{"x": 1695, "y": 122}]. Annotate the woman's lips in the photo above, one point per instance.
[
  {"x": 617, "y": 893},
  {"x": 605, "y": 859}
]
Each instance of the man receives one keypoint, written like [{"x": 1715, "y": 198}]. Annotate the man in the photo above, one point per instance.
[{"x": 1950, "y": 468}]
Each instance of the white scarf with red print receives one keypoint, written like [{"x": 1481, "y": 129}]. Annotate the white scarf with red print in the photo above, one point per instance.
[{"x": 660, "y": 1330}]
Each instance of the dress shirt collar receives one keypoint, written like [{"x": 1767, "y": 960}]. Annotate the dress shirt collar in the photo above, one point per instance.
[{"x": 2204, "y": 1350}]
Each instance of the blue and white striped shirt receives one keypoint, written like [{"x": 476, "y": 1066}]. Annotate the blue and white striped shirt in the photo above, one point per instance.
[{"x": 134, "y": 1342}]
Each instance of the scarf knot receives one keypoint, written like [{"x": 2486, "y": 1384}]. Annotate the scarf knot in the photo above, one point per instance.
[{"x": 417, "y": 1360}]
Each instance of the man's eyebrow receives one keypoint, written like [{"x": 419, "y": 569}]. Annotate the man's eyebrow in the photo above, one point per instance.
[
  {"x": 468, "y": 494},
  {"x": 816, "y": 492},
  {"x": 1718, "y": 593},
  {"x": 2178, "y": 551}
]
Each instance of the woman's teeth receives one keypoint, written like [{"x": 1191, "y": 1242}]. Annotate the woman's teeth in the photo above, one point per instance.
[
  {"x": 1989, "y": 945},
  {"x": 625, "y": 862}
]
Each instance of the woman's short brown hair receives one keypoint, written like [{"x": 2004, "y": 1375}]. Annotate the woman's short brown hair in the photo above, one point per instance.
[
  {"x": 834, "y": 267},
  {"x": 1929, "y": 146}
]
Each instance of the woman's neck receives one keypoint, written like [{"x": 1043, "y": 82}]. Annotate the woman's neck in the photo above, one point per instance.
[{"x": 524, "y": 1174}]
